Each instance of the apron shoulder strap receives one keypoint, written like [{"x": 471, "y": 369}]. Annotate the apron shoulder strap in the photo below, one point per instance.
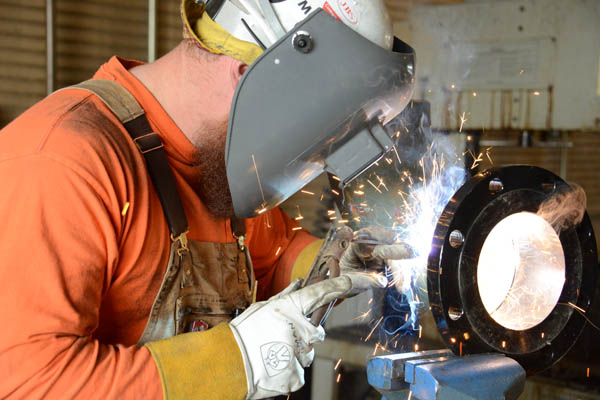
[{"x": 132, "y": 116}]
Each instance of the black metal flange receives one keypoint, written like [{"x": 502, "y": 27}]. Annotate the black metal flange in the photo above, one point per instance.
[{"x": 474, "y": 210}]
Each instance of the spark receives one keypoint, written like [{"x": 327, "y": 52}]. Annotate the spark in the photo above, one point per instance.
[
  {"x": 125, "y": 208},
  {"x": 581, "y": 310},
  {"x": 375, "y": 350},
  {"x": 452, "y": 340},
  {"x": 397, "y": 156},
  {"x": 307, "y": 192},
  {"x": 536, "y": 93},
  {"x": 362, "y": 316},
  {"x": 477, "y": 161},
  {"x": 339, "y": 377},
  {"x": 388, "y": 214},
  {"x": 299, "y": 217},
  {"x": 335, "y": 192},
  {"x": 381, "y": 182},
  {"x": 466, "y": 335},
  {"x": 504, "y": 344},
  {"x": 337, "y": 364},
  {"x": 261, "y": 211},
  {"x": 372, "y": 184},
  {"x": 297, "y": 228},
  {"x": 474, "y": 94},
  {"x": 336, "y": 178},
  {"x": 543, "y": 334},
  {"x": 259, "y": 184},
  {"x": 409, "y": 395},
  {"x": 343, "y": 221},
  {"x": 462, "y": 122},
  {"x": 588, "y": 372},
  {"x": 487, "y": 153},
  {"x": 460, "y": 349},
  {"x": 452, "y": 86},
  {"x": 415, "y": 216},
  {"x": 278, "y": 250},
  {"x": 359, "y": 192},
  {"x": 330, "y": 212},
  {"x": 373, "y": 330}
]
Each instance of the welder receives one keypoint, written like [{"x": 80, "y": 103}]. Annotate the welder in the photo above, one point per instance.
[{"x": 125, "y": 269}]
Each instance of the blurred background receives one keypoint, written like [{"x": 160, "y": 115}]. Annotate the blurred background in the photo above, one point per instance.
[{"x": 507, "y": 82}]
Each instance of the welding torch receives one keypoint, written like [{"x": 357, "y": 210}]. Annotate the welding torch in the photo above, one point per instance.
[{"x": 327, "y": 263}]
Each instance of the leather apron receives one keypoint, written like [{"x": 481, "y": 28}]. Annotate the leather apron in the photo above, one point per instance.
[{"x": 205, "y": 283}]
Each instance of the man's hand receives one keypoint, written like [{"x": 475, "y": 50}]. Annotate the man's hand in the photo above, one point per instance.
[
  {"x": 370, "y": 248},
  {"x": 276, "y": 338}
]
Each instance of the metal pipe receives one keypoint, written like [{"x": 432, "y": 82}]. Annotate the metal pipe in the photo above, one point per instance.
[
  {"x": 50, "y": 39},
  {"x": 151, "y": 30}
]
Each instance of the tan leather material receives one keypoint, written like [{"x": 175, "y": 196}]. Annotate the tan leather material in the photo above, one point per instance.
[
  {"x": 120, "y": 101},
  {"x": 209, "y": 284}
]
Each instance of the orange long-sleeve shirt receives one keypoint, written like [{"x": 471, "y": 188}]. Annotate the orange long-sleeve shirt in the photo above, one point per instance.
[{"x": 78, "y": 269}]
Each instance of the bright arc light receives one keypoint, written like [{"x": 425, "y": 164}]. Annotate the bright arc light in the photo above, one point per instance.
[{"x": 521, "y": 271}]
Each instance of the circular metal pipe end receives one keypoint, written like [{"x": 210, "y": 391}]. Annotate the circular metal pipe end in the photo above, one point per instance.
[{"x": 501, "y": 278}]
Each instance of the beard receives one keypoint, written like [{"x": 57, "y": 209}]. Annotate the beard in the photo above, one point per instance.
[{"x": 212, "y": 185}]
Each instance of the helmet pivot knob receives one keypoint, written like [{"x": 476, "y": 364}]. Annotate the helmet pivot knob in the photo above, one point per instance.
[{"x": 302, "y": 42}]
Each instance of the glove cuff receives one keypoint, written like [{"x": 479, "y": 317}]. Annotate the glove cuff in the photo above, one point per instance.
[{"x": 193, "y": 364}]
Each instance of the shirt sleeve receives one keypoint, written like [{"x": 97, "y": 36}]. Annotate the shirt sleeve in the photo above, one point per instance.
[
  {"x": 59, "y": 244},
  {"x": 276, "y": 242}
]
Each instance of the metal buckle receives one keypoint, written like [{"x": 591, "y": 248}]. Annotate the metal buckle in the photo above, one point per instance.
[
  {"x": 139, "y": 146},
  {"x": 240, "y": 241},
  {"x": 183, "y": 242}
]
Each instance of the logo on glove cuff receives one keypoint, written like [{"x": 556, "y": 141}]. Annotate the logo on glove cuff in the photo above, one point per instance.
[{"x": 277, "y": 357}]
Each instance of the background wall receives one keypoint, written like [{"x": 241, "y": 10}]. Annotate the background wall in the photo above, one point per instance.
[{"x": 86, "y": 34}]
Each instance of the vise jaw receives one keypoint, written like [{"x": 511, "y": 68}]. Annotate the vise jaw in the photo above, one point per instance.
[{"x": 439, "y": 374}]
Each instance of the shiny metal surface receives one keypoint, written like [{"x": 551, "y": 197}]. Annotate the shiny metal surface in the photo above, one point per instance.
[
  {"x": 456, "y": 238},
  {"x": 521, "y": 271}
]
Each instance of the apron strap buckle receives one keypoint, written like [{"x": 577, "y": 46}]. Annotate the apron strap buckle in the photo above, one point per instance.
[
  {"x": 241, "y": 242},
  {"x": 183, "y": 242}
]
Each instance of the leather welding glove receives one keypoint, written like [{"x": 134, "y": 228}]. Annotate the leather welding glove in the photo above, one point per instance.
[
  {"x": 370, "y": 248},
  {"x": 275, "y": 336}
]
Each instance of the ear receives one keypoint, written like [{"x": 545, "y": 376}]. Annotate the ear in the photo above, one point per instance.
[{"x": 237, "y": 70}]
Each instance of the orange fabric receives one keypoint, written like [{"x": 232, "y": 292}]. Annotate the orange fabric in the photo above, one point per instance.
[{"x": 78, "y": 278}]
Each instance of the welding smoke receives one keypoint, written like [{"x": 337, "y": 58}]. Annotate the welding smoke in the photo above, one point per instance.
[{"x": 565, "y": 208}]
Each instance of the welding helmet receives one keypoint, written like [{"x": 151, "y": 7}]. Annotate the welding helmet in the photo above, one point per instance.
[{"x": 330, "y": 76}]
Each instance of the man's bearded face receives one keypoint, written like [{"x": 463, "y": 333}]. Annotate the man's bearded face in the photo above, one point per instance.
[{"x": 213, "y": 187}]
